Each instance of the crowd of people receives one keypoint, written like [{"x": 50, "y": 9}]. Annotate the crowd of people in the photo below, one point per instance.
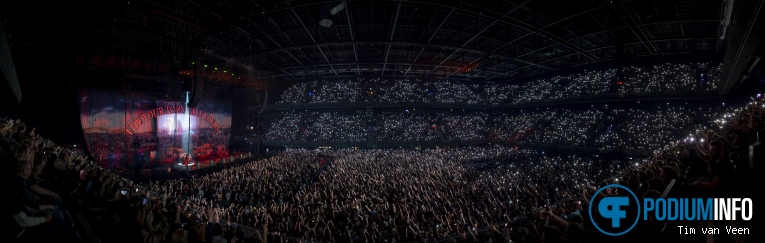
[
  {"x": 39, "y": 209},
  {"x": 667, "y": 77},
  {"x": 335, "y": 126},
  {"x": 567, "y": 126},
  {"x": 645, "y": 126},
  {"x": 401, "y": 195},
  {"x": 408, "y": 126},
  {"x": 459, "y": 194},
  {"x": 286, "y": 128},
  {"x": 628, "y": 134},
  {"x": 712, "y": 161},
  {"x": 465, "y": 127}
]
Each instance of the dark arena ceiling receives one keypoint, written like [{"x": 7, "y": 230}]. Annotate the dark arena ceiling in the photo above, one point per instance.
[{"x": 483, "y": 40}]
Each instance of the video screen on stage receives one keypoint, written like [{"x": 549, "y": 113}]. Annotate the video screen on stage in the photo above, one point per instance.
[{"x": 133, "y": 130}]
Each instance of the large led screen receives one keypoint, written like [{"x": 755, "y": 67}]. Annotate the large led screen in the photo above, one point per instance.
[{"x": 132, "y": 130}]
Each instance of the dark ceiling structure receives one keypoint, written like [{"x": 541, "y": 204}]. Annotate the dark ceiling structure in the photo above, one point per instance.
[{"x": 483, "y": 40}]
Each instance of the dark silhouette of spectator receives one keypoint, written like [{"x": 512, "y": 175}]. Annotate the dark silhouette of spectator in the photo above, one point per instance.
[
  {"x": 574, "y": 233},
  {"x": 32, "y": 208}
]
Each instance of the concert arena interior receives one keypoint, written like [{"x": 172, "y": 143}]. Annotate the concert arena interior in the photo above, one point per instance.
[{"x": 386, "y": 121}]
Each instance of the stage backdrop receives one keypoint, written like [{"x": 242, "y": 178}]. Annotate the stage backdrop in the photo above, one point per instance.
[{"x": 132, "y": 130}]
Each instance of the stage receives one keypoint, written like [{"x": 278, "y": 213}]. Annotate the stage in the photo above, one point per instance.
[{"x": 180, "y": 169}]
